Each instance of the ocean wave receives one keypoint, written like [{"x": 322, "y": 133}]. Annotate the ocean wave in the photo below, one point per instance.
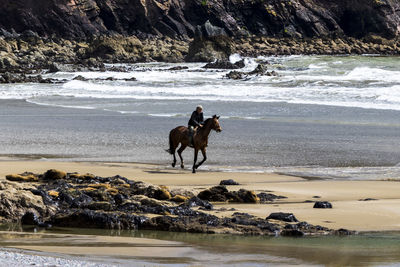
[{"x": 348, "y": 82}]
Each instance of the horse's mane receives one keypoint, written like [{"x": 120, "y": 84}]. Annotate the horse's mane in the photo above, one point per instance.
[{"x": 207, "y": 120}]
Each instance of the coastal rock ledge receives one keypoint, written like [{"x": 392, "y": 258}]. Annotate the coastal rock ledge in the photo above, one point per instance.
[
  {"x": 177, "y": 18},
  {"x": 57, "y": 198}
]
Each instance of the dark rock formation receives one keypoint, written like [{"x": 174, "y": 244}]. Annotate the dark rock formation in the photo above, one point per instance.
[
  {"x": 210, "y": 43},
  {"x": 265, "y": 197},
  {"x": 260, "y": 70},
  {"x": 177, "y": 18},
  {"x": 228, "y": 182},
  {"x": 219, "y": 64},
  {"x": 85, "y": 200},
  {"x": 368, "y": 199},
  {"x": 22, "y": 78},
  {"x": 292, "y": 233},
  {"x": 322, "y": 205},
  {"x": 221, "y": 194},
  {"x": 281, "y": 216}
]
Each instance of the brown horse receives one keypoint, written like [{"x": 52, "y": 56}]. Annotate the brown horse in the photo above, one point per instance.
[{"x": 180, "y": 135}]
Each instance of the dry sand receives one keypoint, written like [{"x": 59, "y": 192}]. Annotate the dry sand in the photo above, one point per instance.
[{"x": 348, "y": 211}]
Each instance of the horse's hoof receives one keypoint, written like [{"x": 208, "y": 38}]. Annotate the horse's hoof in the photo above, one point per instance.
[
  {"x": 173, "y": 165},
  {"x": 182, "y": 166},
  {"x": 194, "y": 171}
]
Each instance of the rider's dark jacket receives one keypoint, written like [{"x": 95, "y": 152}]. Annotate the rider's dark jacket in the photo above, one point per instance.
[{"x": 196, "y": 119}]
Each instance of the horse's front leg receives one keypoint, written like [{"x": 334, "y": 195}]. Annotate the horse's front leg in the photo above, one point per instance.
[
  {"x": 203, "y": 151},
  {"x": 196, "y": 151}
]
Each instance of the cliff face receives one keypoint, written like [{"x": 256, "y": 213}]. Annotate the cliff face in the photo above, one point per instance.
[{"x": 178, "y": 18}]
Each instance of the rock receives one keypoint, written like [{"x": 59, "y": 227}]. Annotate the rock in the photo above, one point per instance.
[
  {"x": 342, "y": 231},
  {"x": 367, "y": 199},
  {"x": 132, "y": 79},
  {"x": 162, "y": 194},
  {"x": 197, "y": 202},
  {"x": 16, "y": 201},
  {"x": 98, "y": 219},
  {"x": 178, "y": 68},
  {"x": 216, "y": 193},
  {"x": 53, "y": 68},
  {"x": 228, "y": 182},
  {"x": 246, "y": 196},
  {"x": 80, "y": 78},
  {"x": 265, "y": 197},
  {"x": 80, "y": 19},
  {"x": 25, "y": 177},
  {"x": 281, "y": 216},
  {"x": 178, "y": 198},
  {"x": 225, "y": 64},
  {"x": 261, "y": 69},
  {"x": 210, "y": 43},
  {"x": 235, "y": 75},
  {"x": 322, "y": 205},
  {"x": 221, "y": 194},
  {"x": 30, "y": 218},
  {"x": 89, "y": 201},
  {"x": 54, "y": 175},
  {"x": 100, "y": 205},
  {"x": 115, "y": 49},
  {"x": 292, "y": 233}
]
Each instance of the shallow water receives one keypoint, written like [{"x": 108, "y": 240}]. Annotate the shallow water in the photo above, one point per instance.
[{"x": 367, "y": 249}]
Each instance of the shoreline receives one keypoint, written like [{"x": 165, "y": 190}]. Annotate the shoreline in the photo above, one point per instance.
[{"x": 350, "y": 211}]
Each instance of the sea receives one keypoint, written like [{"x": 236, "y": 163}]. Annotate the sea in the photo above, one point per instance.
[{"x": 329, "y": 117}]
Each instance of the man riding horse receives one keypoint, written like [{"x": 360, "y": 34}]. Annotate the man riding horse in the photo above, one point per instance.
[
  {"x": 196, "y": 136},
  {"x": 196, "y": 121}
]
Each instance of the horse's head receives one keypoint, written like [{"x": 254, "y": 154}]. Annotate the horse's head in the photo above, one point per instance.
[{"x": 215, "y": 124}]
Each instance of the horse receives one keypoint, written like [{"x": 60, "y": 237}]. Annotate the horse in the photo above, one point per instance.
[{"x": 180, "y": 135}]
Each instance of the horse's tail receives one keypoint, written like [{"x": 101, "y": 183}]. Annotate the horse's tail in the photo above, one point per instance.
[{"x": 171, "y": 146}]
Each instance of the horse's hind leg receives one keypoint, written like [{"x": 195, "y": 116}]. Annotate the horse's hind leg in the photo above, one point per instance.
[
  {"x": 180, "y": 150},
  {"x": 174, "y": 162}
]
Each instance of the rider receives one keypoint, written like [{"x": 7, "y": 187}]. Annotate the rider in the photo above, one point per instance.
[{"x": 196, "y": 120}]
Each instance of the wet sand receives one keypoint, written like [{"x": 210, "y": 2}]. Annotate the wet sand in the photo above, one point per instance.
[{"x": 348, "y": 210}]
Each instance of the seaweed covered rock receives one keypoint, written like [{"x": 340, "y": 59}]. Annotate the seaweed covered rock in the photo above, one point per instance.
[
  {"x": 89, "y": 201},
  {"x": 54, "y": 175},
  {"x": 24, "y": 177},
  {"x": 115, "y": 48},
  {"x": 216, "y": 194},
  {"x": 221, "y": 194}
]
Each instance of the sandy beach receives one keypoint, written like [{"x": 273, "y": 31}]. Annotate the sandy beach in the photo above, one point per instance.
[{"x": 350, "y": 210}]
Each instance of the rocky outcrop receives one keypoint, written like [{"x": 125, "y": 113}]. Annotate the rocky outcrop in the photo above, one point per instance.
[
  {"x": 85, "y": 200},
  {"x": 210, "y": 43},
  {"x": 260, "y": 70},
  {"x": 179, "y": 18}
]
